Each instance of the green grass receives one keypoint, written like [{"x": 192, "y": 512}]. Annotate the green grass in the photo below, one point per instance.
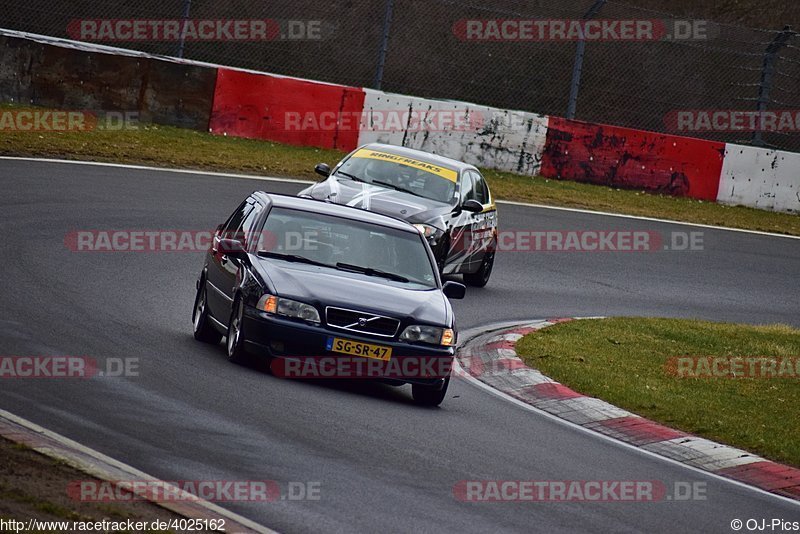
[
  {"x": 174, "y": 147},
  {"x": 38, "y": 504},
  {"x": 625, "y": 362}
]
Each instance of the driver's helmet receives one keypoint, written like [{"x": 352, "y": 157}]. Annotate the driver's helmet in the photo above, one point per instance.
[{"x": 407, "y": 175}]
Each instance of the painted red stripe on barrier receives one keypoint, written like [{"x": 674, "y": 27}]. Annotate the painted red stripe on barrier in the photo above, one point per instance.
[
  {"x": 634, "y": 159},
  {"x": 640, "y": 431},
  {"x": 767, "y": 475},
  {"x": 552, "y": 390},
  {"x": 286, "y": 110}
]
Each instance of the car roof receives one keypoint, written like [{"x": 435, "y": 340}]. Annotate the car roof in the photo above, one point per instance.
[
  {"x": 335, "y": 210},
  {"x": 420, "y": 155}
]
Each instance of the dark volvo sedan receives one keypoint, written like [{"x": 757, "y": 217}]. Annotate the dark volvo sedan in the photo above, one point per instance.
[{"x": 299, "y": 280}]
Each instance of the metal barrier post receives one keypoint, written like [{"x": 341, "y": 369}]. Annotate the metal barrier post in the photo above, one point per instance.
[
  {"x": 578, "y": 65},
  {"x": 767, "y": 73},
  {"x": 387, "y": 23},
  {"x": 187, "y": 5}
]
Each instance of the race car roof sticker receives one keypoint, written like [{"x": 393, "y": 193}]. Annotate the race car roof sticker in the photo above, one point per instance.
[{"x": 444, "y": 172}]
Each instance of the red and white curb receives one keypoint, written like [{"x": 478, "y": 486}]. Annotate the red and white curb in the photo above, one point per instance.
[
  {"x": 100, "y": 466},
  {"x": 491, "y": 358}
]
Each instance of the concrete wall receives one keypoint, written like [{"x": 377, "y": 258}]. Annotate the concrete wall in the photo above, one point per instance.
[
  {"x": 761, "y": 178},
  {"x": 632, "y": 159},
  {"x": 76, "y": 78},
  {"x": 484, "y": 136}
]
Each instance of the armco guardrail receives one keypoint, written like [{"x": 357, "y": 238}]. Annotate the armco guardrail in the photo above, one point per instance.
[{"x": 306, "y": 112}]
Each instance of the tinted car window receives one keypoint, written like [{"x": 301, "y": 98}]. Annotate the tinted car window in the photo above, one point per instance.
[
  {"x": 333, "y": 240},
  {"x": 233, "y": 227},
  {"x": 249, "y": 225}
]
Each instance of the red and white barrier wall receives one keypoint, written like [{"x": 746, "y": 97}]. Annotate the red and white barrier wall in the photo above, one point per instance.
[
  {"x": 480, "y": 135},
  {"x": 632, "y": 159},
  {"x": 311, "y": 113},
  {"x": 278, "y": 108},
  {"x": 761, "y": 178},
  {"x": 305, "y": 112}
]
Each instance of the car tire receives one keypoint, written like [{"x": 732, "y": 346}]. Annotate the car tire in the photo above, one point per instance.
[
  {"x": 429, "y": 395},
  {"x": 235, "y": 342},
  {"x": 203, "y": 329},
  {"x": 481, "y": 277}
]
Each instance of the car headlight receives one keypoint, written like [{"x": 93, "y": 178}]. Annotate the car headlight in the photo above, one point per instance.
[
  {"x": 288, "y": 308},
  {"x": 434, "y": 335},
  {"x": 426, "y": 229}
]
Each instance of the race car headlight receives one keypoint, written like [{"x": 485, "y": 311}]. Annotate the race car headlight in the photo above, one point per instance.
[
  {"x": 434, "y": 335},
  {"x": 426, "y": 229},
  {"x": 288, "y": 308}
]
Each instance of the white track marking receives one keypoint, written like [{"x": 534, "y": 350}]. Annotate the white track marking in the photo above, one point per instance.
[{"x": 477, "y": 383}]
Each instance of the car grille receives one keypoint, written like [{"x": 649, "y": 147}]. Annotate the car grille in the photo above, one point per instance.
[{"x": 362, "y": 322}]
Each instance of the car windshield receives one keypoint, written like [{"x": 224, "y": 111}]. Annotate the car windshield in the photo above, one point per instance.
[
  {"x": 404, "y": 174},
  {"x": 353, "y": 246}
]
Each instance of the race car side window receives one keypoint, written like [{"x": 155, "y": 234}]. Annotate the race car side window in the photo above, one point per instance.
[
  {"x": 467, "y": 191},
  {"x": 474, "y": 188},
  {"x": 480, "y": 188}
]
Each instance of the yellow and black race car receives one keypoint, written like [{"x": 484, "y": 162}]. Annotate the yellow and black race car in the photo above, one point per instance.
[{"x": 447, "y": 200}]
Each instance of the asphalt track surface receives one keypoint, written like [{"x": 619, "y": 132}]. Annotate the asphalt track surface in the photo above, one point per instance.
[{"x": 383, "y": 463}]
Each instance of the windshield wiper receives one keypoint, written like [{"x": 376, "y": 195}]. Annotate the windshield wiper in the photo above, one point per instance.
[
  {"x": 291, "y": 257},
  {"x": 347, "y": 175},
  {"x": 369, "y": 271},
  {"x": 397, "y": 188}
]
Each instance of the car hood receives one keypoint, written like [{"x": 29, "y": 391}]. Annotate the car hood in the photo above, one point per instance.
[
  {"x": 384, "y": 200},
  {"x": 323, "y": 286}
]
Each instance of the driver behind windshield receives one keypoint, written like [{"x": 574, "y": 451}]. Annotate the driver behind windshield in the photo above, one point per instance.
[{"x": 397, "y": 175}]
